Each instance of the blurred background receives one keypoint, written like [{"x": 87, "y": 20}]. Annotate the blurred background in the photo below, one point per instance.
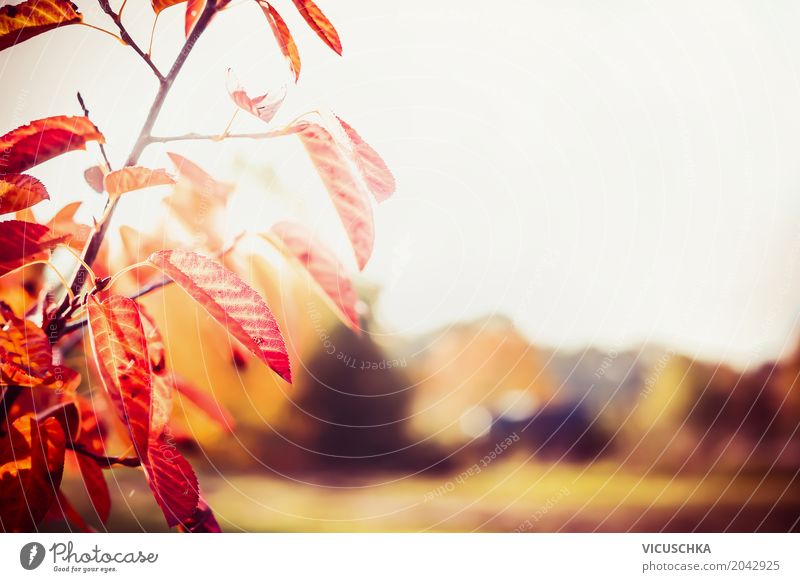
[{"x": 582, "y": 309}]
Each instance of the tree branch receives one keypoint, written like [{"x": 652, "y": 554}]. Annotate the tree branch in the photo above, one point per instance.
[
  {"x": 55, "y": 326},
  {"x": 209, "y": 137},
  {"x": 123, "y": 33},
  {"x": 107, "y": 461}
]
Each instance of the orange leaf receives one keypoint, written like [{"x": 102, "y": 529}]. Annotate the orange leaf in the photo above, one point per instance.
[
  {"x": 205, "y": 402},
  {"x": 376, "y": 173},
  {"x": 200, "y": 179},
  {"x": 28, "y": 19},
  {"x": 43, "y": 139},
  {"x": 322, "y": 265},
  {"x": 31, "y": 465},
  {"x": 63, "y": 224},
  {"x": 23, "y": 242},
  {"x": 264, "y": 106},
  {"x": 25, "y": 353},
  {"x": 320, "y": 23},
  {"x": 172, "y": 481},
  {"x": 348, "y": 196},
  {"x": 283, "y": 36},
  {"x": 20, "y": 191},
  {"x": 120, "y": 352},
  {"x": 159, "y": 5},
  {"x": 135, "y": 178},
  {"x": 231, "y": 301}
]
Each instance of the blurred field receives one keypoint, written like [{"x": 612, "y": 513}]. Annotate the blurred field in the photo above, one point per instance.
[{"x": 507, "y": 496}]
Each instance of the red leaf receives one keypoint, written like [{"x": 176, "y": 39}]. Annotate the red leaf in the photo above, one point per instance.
[
  {"x": 31, "y": 465},
  {"x": 376, "y": 173},
  {"x": 161, "y": 398},
  {"x": 95, "y": 177},
  {"x": 283, "y": 36},
  {"x": 28, "y": 19},
  {"x": 230, "y": 301},
  {"x": 264, "y": 106},
  {"x": 205, "y": 402},
  {"x": 172, "y": 481},
  {"x": 194, "y": 8},
  {"x": 135, "y": 178},
  {"x": 348, "y": 196},
  {"x": 325, "y": 269},
  {"x": 120, "y": 351},
  {"x": 43, "y": 139},
  {"x": 202, "y": 520},
  {"x": 96, "y": 486},
  {"x": 159, "y": 5},
  {"x": 200, "y": 179},
  {"x": 63, "y": 509},
  {"x": 23, "y": 242},
  {"x": 319, "y": 23},
  {"x": 20, "y": 191}
]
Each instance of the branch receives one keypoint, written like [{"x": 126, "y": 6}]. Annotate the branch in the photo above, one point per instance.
[
  {"x": 209, "y": 137},
  {"x": 55, "y": 326},
  {"x": 107, "y": 461},
  {"x": 123, "y": 33}
]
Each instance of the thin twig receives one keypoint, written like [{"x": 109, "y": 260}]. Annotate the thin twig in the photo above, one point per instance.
[
  {"x": 215, "y": 137},
  {"x": 100, "y": 143},
  {"x": 123, "y": 32},
  {"x": 107, "y": 461}
]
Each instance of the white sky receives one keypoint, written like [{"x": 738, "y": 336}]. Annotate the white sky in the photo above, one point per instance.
[{"x": 604, "y": 172}]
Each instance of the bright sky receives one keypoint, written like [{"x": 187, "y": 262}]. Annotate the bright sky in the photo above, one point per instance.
[{"x": 603, "y": 172}]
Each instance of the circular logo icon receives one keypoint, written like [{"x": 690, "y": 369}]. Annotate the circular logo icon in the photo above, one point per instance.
[{"x": 31, "y": 555}]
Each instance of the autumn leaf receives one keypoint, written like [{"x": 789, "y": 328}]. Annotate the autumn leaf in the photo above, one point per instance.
[
  {"x": 20, "y": 191},
  {"x": 22, "y": 242},
  {"x": 325, "y": 270},
  {"x": 63, "y": 224},
  {"x": 172, "y": 480},
  {"x": 25, "y": 352},
  {"x": 201, "y": 521},
  {"x": 348, "y": 196},
  {"x": 231, "y": 301},
  {"x": 95, "y": 176},
  {"x": 376, "y": 173},
  {"x": 194, "y": 8},
  {"x": 95, "y": 483},
  {"x": 283, "y": 36},
  {"x": 62, "y": 509},
  {"x": 120, "y": 352},
  {"x": 161, "y": 398},
  {"x": 159, "y": 5},
  {"x": 205, "y": 402},
  {"x": 319, "y": 23},
  {"x": 135, "y": 178},
  {"x": 22, "y": 21},
  {"x": 31, "y": 466},
  {"x": 264, "y": 106},
  {"x": 200, "y": 179},
  {"x": 44, "y": 139}
]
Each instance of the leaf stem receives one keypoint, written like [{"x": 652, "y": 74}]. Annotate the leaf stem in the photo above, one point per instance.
[
  {"x": 103, "y": 30},
  {"x": 103, "y": 460}
]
